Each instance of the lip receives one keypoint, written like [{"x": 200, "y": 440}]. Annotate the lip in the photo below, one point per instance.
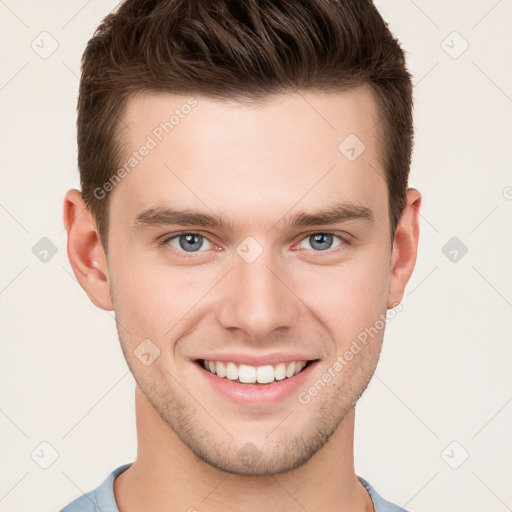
[{"x": 256, "y": 394}]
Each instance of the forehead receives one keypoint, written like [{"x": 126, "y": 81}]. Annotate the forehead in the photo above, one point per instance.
[{"x": 306, "y": 146}]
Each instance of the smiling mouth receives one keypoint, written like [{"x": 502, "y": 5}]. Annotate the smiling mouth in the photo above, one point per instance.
[{"x": 258, "y": 375}]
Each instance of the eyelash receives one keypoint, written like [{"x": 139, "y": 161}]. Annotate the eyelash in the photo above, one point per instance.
[{"x": 316, "y": 254}]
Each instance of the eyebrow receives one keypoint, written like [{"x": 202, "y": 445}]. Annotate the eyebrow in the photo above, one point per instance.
[{"x": 167, "y": 216}]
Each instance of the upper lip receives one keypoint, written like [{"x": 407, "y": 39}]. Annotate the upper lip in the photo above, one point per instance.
[{"x": 257, "y": 360}]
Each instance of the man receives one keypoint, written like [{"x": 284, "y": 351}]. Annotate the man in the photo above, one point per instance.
[{"x": 245, "y": 212}]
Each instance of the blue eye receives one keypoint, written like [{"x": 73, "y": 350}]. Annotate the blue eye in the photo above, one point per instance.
[
  {"x": 188, "y": 242},
  {"x": 322, "y": 241}
]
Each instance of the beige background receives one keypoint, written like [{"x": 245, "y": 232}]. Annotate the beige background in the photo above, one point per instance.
[{"x": 442, "y": 390}]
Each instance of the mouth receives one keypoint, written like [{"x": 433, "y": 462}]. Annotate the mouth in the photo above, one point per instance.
[{"x": 255, "y": 386}]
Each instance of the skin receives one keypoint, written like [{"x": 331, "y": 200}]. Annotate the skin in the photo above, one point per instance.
[{"x": 256, "y": 167}]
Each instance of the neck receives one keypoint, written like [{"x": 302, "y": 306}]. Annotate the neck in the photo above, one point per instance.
[{"x": 168, "y": 476}]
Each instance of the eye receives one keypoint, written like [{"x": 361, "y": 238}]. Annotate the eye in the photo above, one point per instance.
[
  {"x": 188, "y": 242},
  {"x": 320, "y": 242}
]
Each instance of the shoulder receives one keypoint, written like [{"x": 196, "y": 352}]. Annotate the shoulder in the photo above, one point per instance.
[
  {"x": 85, "y": 503},
  {"x": 379, "y": 503},
  {"x": 100, "y": 499}
]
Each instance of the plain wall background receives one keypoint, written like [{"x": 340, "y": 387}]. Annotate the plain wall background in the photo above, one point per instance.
[{"x": 442, "y": 389}]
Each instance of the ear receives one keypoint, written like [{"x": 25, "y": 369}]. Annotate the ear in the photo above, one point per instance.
[
  {"x": 85, "y": 252},
  {"x": 405, "y": 248}
]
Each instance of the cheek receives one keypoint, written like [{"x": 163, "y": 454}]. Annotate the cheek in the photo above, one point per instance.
[
  {"x": 151, "y": 298},
  {"x": 348, "y": 298}
]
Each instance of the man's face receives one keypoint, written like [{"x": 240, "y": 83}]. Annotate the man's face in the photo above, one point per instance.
[{"x": 259, "y": 289}]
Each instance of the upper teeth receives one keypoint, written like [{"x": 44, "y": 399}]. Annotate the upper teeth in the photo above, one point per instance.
[{"x": 251, "y": 374}]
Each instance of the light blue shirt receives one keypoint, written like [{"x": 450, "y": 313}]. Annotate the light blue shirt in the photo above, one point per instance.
[{"x": 102, "y": 498}]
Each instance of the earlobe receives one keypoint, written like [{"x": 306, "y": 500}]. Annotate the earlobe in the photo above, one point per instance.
[
  {"x": 405, "y": 248},
  {"x": 85, "y": 252}
]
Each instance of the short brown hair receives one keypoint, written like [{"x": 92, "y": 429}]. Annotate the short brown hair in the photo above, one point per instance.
[{"x": 241, "y": 50}]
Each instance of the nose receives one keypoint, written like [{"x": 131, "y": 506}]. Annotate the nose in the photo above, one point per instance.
[{"x": 257, "y": 298}]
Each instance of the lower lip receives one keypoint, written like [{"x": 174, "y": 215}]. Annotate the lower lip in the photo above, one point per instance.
[{"x": 257, "y": 394}]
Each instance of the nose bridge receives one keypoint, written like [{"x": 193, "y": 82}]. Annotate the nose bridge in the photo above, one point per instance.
[{"x": 257, "y": 300}]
